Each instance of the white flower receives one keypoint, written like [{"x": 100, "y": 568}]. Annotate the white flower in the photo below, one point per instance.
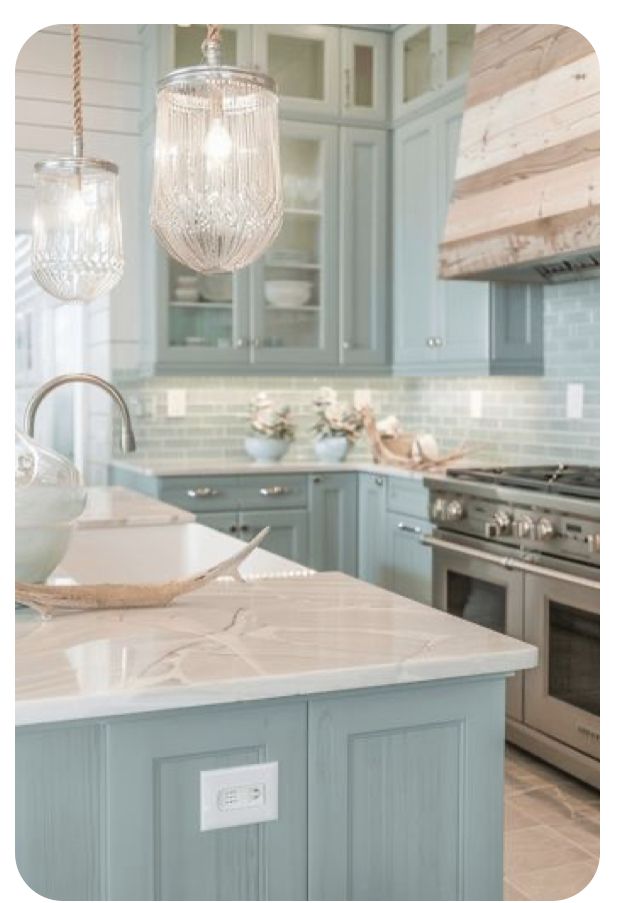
[{"x": 326, "y": 396}]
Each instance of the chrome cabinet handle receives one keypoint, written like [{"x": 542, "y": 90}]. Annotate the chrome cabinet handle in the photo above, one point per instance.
[
  {"x": 203, "y": 492},
  {"x": 346, "y": 346},
  {"x": 438, "y": 342},
  {"x": 430, "y": 342},
  {"x": 407, "y": 528},
  {"x": 233, "y": 529},
  {"x": 379, "y": 481},
  {"x": 274, "y": 490},
  {"x": 317, "y": 479},
  {"x": 242, "y": 343}
]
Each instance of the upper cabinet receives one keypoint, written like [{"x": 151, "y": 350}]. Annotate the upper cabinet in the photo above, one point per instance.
[
  {"x": 303, "y": 60},
  {"x": 365, "y": 75},
  {"x": 427, "y": 60}
]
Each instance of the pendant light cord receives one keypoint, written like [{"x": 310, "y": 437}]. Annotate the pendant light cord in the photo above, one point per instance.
[
  {"x": 211, "y": 46},
  {"x": 77, "y": 91},
  {"x": 213, "y": 34}
]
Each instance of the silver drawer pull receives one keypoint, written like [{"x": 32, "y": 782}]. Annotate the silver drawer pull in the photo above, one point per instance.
[
  {"x": 274, "y": 490},
  {"x": 407, "y": 528},
  {"x": 203, "y": 492}
]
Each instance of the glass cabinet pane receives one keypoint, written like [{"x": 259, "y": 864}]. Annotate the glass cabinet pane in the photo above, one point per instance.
[
  {"x": 291, "y": 302},
  {"x": 200, "y": 308},
  {"x": 363, "y": 76},
  {"x": 188, "y": 41},
  {"x": 459, "y": 41},
  {"x": 574, "y": 657},
  {"x": 417, "y": 64},
  {"x": 479, "y": 601},
  {"x": 297, "y": 65}
]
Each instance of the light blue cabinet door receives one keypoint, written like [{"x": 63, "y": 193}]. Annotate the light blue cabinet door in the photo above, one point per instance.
[
  {"x": 157, "y": 851},
  {"x": 462, "y": 315},
  {"x": 364, "y": 289},
  {"x": 288, "y": 536},
  {"x": 407, "y": 566},
  {"x": 333, "y": 522},
  {"x": 406, "y": 793},
  {"x": 224, "y": 522},
  {"x": 517, "y": 328},
  {"x": 371, "y": 527},
  {"x": 415, "y": 218}
]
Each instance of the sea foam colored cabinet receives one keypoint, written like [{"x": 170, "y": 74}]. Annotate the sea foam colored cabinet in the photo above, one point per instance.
[
  {"x": 393, "y": 793},
  {"x": 333, "y": 522},
  {"x": 444, "y": 327},
  {"x": 371, "y": 527}
]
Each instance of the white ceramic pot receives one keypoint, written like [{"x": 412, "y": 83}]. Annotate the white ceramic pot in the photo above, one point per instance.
[
  {"x": 49, "y": 497},
  {"x": 265, "y": 448},
  {"x": 331, "y": 448}
]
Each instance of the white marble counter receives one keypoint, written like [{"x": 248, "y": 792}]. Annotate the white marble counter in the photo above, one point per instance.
[
  {"x": 274, "y": 637},
  {"x": 115, "y": 506}
]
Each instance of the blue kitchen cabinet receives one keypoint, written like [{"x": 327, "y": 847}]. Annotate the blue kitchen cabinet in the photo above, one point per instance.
[
  {"x": 288, "y": 536},
  {"x": 333, "y": 522},
  {"x": 407, "y": 567},
  {"x": 371, "y": 527},
  {"x": 449, "y": 327}
]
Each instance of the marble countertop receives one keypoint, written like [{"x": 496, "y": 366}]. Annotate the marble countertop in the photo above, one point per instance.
[
  {"x": 172, "y": 467},
  {"x": 275, "y": 636},
  {"x": 115, "y": 506}
]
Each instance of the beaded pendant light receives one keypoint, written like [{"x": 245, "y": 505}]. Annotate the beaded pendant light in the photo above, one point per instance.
[
  {"x": 77, "y": 252},
  {"x": 216, "y": 200}
]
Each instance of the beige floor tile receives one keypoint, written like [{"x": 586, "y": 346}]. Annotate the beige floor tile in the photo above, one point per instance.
[
  {"x": 539, "y": 847},
  {"x": 557, "y": 882},
  {"x": 583, "y": 830},
  {"x": 553, "y": 805},
  {"x": 516, "y": 817},
  {"x": 511, "y": 892}
]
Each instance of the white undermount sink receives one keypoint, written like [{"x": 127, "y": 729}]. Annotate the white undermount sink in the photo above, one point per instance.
[{"x": 157, "y": 553}]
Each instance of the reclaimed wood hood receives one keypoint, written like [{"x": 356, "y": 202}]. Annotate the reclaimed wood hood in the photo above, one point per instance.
[{"x": 525, "y": 204}]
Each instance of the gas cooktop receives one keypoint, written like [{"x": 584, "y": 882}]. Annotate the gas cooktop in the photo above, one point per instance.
[{"x": 563, "y": 479}]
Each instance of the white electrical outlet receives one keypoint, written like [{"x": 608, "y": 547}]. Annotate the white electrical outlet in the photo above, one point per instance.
[
  {"x": 574, "y": 401},
  {"x": 238, "y": 796},
  {"x": 176, "y": 402},
  {"x": 361, "y": 399},
  {"x": 476, "y": 403}
]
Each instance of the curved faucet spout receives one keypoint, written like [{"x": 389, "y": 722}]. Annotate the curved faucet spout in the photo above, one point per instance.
[{"x": 127, "y": 440}]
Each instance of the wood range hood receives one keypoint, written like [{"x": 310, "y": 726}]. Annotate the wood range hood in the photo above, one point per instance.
[{"x": 525, "y": 205}]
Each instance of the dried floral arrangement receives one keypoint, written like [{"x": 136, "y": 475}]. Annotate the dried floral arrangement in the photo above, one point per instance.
[
  {"x": 390, "y": 445},
  {"x": 335, "y": 418},
  {"x": 269, "y": 419}
]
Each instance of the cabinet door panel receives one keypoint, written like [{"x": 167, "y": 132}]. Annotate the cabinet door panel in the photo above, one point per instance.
[
  {"x": 288, "y": 536},
  {"x": 517, "y": 328},
  {"x": 415, "y": 250},
  {"x": 371, "y": 527},
  {"x": 363, "y": 246},
  {"x": 408, "y": 564},
  {"x": 364, "y": 61},
  {"x": 333, "y": 522},
  {"x": 224, "y": 523},
  {"x": 157, "y": 851}
]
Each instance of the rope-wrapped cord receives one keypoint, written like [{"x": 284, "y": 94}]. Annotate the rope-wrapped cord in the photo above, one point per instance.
[
  {"x": 214, "y": 34},
  {"x": 77, "y": 91}
]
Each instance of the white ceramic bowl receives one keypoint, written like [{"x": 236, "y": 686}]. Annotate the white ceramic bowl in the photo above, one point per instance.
[{"x": 288, "y": 292}]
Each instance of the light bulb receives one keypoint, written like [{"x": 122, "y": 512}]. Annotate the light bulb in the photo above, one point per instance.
[{"x": 218, "y": 144}]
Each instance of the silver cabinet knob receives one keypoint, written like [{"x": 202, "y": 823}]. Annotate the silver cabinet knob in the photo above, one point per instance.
[
  {"x": 233, "y": 529},
  {"x": 379, "y": 481},
  {"x": 438, "y": 342},
  {"x": 544, "y": 529},
  {"x": 346, "y": 346},
  {"x": 430, "y": 342},
  {"x": 203, "y": 492},
  {"x": 242, "y": 343},
  {"x": 271, "y": 491},
  {"x": 317, "y": 479}
]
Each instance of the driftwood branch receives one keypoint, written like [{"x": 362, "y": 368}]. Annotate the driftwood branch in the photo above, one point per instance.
[
  {"x": 404, "y": 450},
  {"x": 97, "y": 596}
]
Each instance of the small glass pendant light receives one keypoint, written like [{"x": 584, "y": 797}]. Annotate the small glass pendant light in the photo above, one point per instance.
[
  {"x": 216, "y": 194},
  {"x": 77, "y": 252}
]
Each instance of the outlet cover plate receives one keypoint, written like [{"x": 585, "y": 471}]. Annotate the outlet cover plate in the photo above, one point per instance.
[
  {"x": 176, "y": 402},
  {"x": 244, "y": 795}
]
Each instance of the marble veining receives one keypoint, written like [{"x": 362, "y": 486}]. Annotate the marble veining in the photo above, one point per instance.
[
  {"x": 230, "y": 642},
  {"x": 116, "y": 506}
]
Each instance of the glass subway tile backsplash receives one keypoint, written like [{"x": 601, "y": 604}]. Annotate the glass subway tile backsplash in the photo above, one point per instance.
[{"x": 521, "y": 418}]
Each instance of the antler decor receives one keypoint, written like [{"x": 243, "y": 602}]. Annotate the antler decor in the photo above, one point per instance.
[
  {"x": 97, "y": 596},
  {"x": 404, "y": 450}
]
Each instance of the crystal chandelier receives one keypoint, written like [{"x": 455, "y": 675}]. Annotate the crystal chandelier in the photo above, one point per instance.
[
  {"x": 216, "y": 194},
  {"x": 77, "y": 251}
]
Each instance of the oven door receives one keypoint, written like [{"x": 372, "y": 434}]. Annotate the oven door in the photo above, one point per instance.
[
  {"x": 483, "y": 592},
  {"x": 562, "y": 695}
]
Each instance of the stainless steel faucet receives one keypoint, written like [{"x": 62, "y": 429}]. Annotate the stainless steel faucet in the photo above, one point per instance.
[{"x": 127, "y": 440}]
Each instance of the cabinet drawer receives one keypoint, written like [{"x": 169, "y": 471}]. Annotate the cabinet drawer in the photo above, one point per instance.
[
  {"x": 408, "y": 496},
  {"x": 201, "y": 493},
  {"x": 272, "y": 491}
]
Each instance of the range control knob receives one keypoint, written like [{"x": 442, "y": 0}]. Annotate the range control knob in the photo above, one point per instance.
[
  {"x": 454, "y": 510},
  {"x": 593, "y": 543},
  {"x": 544, "y": 529},
  {"x": 523, "y": 527},
  {"x": 438, "y": 510},
  {"x": 499, "y": 525}
]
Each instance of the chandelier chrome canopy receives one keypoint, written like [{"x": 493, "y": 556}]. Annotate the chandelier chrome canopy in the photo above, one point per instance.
[
  {"x": 216, "y": 200},
  {"x": 77, "y": 252}
]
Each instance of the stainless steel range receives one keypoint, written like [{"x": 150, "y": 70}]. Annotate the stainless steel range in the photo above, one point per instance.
[{"x": 518, "y": 550}]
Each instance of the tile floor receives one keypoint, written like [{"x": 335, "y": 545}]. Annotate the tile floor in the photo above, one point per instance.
[{"x": 551, "y": 830}]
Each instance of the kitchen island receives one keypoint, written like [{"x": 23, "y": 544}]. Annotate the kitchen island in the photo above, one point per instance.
[{"x": 385, "y": 718}]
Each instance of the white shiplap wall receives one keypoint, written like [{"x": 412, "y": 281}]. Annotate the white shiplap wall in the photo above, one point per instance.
[{"x": 112, "y": 99}]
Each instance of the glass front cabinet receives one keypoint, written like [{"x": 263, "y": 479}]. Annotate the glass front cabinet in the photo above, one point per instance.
[{"x": 318, "y": 297}]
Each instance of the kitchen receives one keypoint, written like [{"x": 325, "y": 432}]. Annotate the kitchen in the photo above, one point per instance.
[{"x": 345, "y": 314}]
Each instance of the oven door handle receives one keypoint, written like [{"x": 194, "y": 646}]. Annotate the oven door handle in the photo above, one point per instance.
[{"x": 511, "y": 564}]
